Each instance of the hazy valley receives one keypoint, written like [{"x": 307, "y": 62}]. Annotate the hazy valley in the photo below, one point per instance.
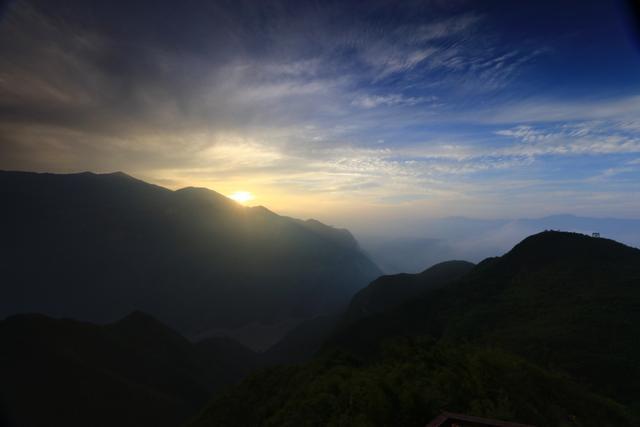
[{"x": 148, "y": 266}]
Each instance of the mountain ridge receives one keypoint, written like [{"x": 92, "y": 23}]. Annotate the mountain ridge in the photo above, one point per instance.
[
  {"x": 524, "y": 300},
  {"x": 437, "y": 240},
  {"x": 107, "y": 244},
  {"x": 390, "y": 291},
  {"x": 546, "y": 334},
  {"x": 148, "y": 374}
]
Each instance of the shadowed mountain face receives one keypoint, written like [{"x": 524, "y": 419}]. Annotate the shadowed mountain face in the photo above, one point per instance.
[
  {"x": 96, "y": 247},
  {"x": 134, "y": 372},
  {"x": 547, "y": 334},
  {"x": 302, "y": 342},
  {"x": 388, "y": 292},
  {"x": 562, "y": 299},
  {"x": 383, "y": 294}
]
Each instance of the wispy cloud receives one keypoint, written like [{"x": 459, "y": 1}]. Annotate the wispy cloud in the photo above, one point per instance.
[
  {"x": 624, "y": 109},
  {"x": 580, "y": 138},
  {"x": 373, "y": 101},
  {"x": 377, "y": 102}
]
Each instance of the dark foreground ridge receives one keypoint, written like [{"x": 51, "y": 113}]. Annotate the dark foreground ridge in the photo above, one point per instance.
[
  {"x": 388, "y": 292},
  {"x": 548, "y": 334},
  {"x": 134, "y": 372}
]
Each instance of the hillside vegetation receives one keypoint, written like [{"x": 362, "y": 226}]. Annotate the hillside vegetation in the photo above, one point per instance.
[{"x": 547, "y": 334}]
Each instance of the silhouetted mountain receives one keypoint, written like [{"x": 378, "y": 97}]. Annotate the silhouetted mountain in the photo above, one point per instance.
[
  {"x": 547, "y": 334},
  {"x": 475, "y": 239},
  {"x": 563, "y": 299},
  {"x": 129, "y": 373},
  {"x": 301, "y": 343},
  {"x": 96, "y": 247},
  {"x": 388, "y": 292},
  {"x": 236, "y": 359},
  {"x": 384, "y": 293}
]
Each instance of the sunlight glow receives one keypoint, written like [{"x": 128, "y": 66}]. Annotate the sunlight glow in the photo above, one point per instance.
[{"x": 242, "y": 196}]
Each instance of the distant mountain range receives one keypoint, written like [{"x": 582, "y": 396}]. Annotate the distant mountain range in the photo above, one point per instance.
[
  {"x": 96, "y": 247},
  {"x": 438, "y": 240},
  {"x": 548, "y": 334}
]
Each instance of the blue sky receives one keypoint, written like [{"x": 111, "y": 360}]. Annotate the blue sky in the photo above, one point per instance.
[{"x": 355, "y": 113}]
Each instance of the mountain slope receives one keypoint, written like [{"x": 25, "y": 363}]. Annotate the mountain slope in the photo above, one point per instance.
[
  {"x": 96, "y": 247},
  {"x": 133, "y": 372},
  {"x": 407, "y": 384},
  {"x": 547, "y": 334},
  {"x": 388, "y": 292},
  {"x": 562, "y": 299},
  {"x": 302, "y": 342},
  {"x": 383, "y": 294}
]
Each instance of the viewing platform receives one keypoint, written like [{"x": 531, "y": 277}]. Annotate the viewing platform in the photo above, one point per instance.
[{"x": 448, "y": 419}]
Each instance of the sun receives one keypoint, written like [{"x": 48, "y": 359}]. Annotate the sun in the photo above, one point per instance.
[{"x": 242, "y": 196}]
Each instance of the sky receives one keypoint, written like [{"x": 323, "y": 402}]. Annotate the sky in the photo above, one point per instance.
[{"x": 355, "y": 113}]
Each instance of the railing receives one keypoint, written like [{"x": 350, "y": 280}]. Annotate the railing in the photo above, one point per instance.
[{"x": 448, "y": 419}]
